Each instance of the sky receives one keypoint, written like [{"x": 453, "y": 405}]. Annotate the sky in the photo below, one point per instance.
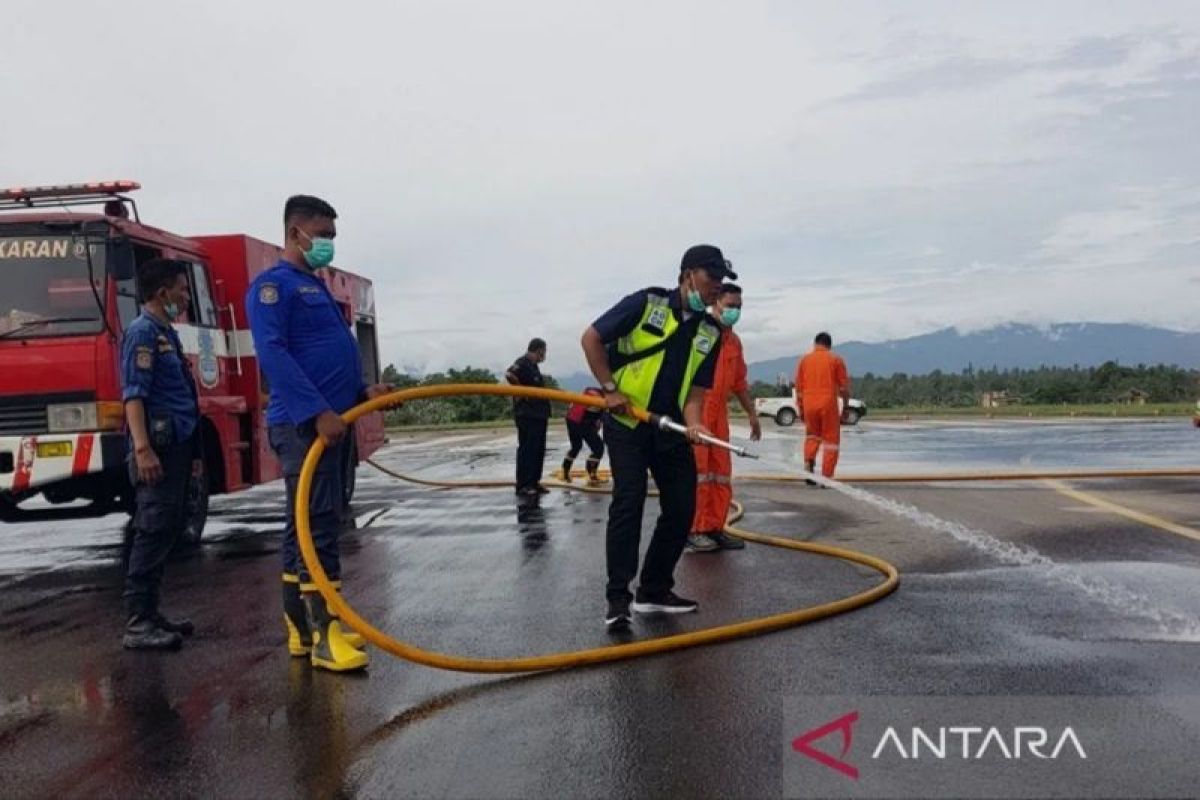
[{"x": 509, "y": 170}]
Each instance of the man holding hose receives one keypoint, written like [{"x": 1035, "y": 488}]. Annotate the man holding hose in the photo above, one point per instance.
[
  {"x": 312, "y": 363},
  {"x": 656, "y": 349}
]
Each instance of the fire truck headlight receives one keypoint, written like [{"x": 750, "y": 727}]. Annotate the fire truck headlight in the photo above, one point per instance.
[{"x": 71, "y": 417}]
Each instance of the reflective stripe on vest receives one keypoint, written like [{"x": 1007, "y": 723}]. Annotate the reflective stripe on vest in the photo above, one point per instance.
[{"x": 636, "y": 380}]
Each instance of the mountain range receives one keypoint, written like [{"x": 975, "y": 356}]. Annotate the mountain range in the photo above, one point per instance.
[{"x": 1013, "y": 345}]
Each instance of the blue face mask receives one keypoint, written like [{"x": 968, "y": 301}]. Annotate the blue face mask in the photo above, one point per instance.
[
  {"x": 730, "y": 316},
  {"x": 170, "y": 307},
  {"x": 320, "y": 251}
]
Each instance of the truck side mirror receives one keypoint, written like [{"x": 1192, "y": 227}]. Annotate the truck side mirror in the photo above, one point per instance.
[{"x": 120, "y": 259}]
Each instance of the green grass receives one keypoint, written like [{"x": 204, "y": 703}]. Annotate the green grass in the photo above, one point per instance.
[
  {"x": 1094, "y": 410},
  {"x": 1039, "y": 411}
]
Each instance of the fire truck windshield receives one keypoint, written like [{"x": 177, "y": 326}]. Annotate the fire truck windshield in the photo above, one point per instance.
[{"x": 45, "y": 289}]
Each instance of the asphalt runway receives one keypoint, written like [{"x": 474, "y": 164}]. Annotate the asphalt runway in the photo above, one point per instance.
[{"x": 1007, "y": 589}]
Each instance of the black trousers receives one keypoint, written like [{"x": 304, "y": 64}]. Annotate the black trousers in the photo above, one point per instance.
[
  {"x": 580, "y": 432},
  {"x": 531, "y": 450},
  {"x": 668, "y": 457},
  {"x": 158, "y": 518},
  {"x": 291, "y": 444}
]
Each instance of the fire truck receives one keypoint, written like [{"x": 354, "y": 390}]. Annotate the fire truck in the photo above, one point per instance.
[{"x": 69, "y": 289}]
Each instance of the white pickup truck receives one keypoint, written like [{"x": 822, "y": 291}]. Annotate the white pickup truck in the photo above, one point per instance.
[{"x": 783, "y": 410}]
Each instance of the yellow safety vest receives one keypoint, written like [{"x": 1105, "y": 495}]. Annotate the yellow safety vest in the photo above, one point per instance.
[{"x": 636, "y": 379}]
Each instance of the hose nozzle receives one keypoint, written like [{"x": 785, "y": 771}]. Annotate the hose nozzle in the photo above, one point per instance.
[{"x": 663, "y": 422}]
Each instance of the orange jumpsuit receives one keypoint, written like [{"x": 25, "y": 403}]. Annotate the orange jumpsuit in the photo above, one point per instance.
[
  {"x": 820, "y": 377},
  {"x": 714, "y": 466}
]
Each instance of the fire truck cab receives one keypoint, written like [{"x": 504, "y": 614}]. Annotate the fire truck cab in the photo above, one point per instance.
[{"x": 69, "y": 289}]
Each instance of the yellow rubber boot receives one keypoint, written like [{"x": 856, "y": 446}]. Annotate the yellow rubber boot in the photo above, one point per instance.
[
  {"x": 353, "y": 638},
  {"x": 330, "y": 649},
  {"x": 295, "y": 618}
]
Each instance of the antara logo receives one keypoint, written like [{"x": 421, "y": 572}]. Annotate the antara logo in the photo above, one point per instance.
[
  {"x": 971, "y": 742},
  {"x": 844, "y": 724},
  {"x": 961, "y": 742}
]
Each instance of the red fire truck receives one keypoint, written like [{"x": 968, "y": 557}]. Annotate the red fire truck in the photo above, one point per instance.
[{"x": 69, "y": 289}]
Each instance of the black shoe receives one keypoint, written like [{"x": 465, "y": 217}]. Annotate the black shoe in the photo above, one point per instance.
[
  {"x": 142, "y": 633},
  {"x": 618, "y": 614},
  {"x": 669, "y": 603},
  {"x": 183, "y": 627},
  {"x": 727, "y": 542}
]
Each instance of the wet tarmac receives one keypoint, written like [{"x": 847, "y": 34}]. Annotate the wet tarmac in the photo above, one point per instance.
[{"x": 1006, "y": 589}]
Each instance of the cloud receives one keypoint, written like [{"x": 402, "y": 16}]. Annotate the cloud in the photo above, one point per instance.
[
  {"x": 510, "y": 170},
  {"x": 1154, "y": 226}
]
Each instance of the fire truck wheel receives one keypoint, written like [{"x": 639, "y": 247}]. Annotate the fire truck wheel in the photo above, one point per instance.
[
  {"x": 100, "y": 506},
  {"x": 197, "y": 510},
  {"x": 8, "y": 509}
]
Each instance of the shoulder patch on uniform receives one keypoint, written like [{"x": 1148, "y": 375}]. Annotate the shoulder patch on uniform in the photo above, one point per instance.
[
  {"x": 268, "y": 294},
  {"x": 144, "y": 358}
]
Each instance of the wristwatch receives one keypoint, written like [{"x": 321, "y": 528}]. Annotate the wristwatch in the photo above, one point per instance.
[{"x": 609, "y": 387}]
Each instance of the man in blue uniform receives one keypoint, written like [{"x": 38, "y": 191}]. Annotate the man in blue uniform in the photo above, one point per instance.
[
  {"x": 162, "y": 413},
  {"x": 314, "y": 371}
]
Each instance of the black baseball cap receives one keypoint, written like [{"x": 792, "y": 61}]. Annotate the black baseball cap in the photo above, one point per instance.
[{"x": 709, "y": 258}]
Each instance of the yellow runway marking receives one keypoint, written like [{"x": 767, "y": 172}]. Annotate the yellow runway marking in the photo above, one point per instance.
[{"x": 1133, "y": 514}]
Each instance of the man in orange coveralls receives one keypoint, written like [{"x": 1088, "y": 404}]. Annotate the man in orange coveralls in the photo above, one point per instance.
[
  {"x": 821, "y": 378},
  {"x": 714, "y": 466}
]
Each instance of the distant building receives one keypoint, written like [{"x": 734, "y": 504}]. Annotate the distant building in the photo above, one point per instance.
[
  {"x": 1133, "y": 397},
  {"x": 998, "y": 399}
]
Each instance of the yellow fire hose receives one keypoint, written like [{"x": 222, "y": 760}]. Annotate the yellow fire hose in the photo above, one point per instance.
[{"x": 574, "y": 658}]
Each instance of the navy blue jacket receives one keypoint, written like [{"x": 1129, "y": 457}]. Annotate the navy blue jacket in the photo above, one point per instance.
[
  {"x": 155, "y": 371},
  {"x": 304, "y": 346}
]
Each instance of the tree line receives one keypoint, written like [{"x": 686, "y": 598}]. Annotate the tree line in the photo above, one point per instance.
[
  {"x": 1108, "y": 383},
  {"x": 452, "y": 410}
]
